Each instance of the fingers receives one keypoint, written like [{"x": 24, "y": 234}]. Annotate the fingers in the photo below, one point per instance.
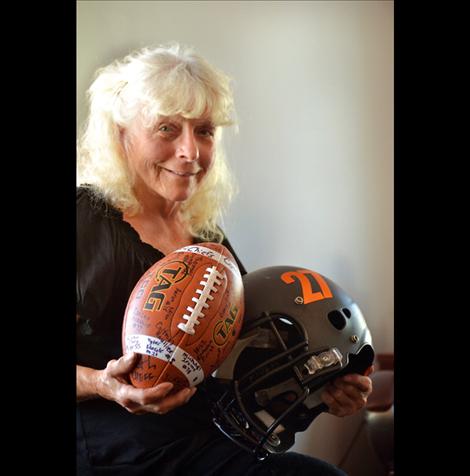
[
  {"x": 347, "y": 395},
  {"x": 139, "y": 400},
  {"x": 173, "y": 401},
  {"x": 157, "y": 400},
  {"x": 132, "y": 397},
  {"x": 362, "y": 382},
  {"x": 339, "y": 403},
  {"x": 122, "y": 366}
]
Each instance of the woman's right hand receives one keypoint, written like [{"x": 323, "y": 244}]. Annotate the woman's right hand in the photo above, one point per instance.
[{"x": 111, "y": 384}]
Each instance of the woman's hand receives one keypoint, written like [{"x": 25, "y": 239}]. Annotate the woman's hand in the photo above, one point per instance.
[
  {"x": 347, "y": 394},
  {"x": 110, "y": 384}
]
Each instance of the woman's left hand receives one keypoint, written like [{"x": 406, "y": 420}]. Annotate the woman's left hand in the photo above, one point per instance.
[{"x": 347, "y": 394}]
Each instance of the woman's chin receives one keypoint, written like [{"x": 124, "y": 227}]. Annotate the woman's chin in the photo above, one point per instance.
[{"x": 177, "y": 196}]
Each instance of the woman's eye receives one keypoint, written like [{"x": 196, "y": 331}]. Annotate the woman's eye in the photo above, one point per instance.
[
  {"x": 207, "y": 132},
  {"x": 167, "y": 130}
]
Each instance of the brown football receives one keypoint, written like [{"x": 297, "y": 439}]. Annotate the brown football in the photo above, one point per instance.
[{"x": 184, "y": 316}]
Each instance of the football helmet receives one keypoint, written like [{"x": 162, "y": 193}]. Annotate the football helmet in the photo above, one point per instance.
[{"x": 300, "y": 331}]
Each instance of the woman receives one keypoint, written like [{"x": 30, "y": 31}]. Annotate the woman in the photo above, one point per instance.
[{"x": 153, "y": 179}]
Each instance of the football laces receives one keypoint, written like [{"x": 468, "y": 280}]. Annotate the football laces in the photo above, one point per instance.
[{"x": 213, "y": 279}]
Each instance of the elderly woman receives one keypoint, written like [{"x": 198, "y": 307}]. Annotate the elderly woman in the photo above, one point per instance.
[{"x": 153, "y": 178}]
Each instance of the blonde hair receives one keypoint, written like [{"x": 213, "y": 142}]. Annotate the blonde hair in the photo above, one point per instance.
[{"x": 165, "y": 80}]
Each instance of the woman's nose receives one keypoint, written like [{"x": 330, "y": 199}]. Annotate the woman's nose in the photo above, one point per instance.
[{"x": 187, "y": 145}]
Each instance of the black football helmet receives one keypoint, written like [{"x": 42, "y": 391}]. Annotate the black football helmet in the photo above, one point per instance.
[{"x": 300, "y": 331}]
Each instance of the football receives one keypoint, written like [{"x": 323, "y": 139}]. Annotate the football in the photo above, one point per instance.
[{"x": 184, "y": 316}]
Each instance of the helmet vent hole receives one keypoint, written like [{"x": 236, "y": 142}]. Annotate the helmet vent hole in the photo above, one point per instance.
[
  {"x": 347, "y": 312},
  {"x": 337, "y": 319}
]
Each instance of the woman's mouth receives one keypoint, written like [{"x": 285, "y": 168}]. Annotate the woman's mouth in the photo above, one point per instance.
[{"x": 180, "y": 173}]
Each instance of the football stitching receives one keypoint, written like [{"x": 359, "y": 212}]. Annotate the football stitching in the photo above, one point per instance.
[{"x": 213, "y": 279}]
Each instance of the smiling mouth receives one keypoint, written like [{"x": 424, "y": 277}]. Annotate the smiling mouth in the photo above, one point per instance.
[{"x": 180, "y": 174}]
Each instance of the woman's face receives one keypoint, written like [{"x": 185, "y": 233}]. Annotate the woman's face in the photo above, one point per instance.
[{"x": 169, "y": 160}]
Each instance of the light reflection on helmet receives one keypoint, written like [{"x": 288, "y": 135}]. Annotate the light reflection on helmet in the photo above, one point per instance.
[{"x": 300, "y": 331}]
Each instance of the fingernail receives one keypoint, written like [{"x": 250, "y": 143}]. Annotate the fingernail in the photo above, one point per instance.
[
  {"x": 166, "y": 386},
  {"x": 189, "y": 392}
]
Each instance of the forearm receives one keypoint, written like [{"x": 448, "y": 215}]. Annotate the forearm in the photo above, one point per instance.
[{"x": 87, "y": 379}]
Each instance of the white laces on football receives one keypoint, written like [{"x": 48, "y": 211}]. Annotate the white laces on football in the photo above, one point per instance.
[{"x": 213, "y": 279}]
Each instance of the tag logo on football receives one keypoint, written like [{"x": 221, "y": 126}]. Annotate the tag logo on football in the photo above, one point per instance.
[{"x": 172, "y": 273}]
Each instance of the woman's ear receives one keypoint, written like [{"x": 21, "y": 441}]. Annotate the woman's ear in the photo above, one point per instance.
[{"x": 123, "y": 137}]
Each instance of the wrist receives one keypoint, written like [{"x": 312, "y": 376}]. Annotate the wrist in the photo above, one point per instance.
[{"x": 88, "y": 383}]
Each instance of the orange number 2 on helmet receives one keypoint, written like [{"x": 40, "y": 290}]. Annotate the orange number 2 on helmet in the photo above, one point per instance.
[{"x": 308, "y": 294}]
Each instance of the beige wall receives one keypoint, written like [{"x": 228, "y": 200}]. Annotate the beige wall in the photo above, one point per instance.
[{"x": 314, "y": 155}]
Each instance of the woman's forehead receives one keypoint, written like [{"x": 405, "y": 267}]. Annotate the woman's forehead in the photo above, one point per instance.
[{"x": 204, "y": 119}]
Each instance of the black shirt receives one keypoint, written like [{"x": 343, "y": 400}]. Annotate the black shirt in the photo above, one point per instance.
[{"x": 111, "y": 258}]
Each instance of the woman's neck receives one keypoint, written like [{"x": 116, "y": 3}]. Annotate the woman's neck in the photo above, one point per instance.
[{"x": 165, "y": 231}]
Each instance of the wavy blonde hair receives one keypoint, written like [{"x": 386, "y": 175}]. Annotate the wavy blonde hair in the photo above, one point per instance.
[{"x": 165, "y": 80}]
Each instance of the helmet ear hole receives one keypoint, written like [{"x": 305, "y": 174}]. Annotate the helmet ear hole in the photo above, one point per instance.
[
  {"x": 337, "y": 319},
  {"x": 358, "y": 363},
  {"x": 347, "y": 312}
]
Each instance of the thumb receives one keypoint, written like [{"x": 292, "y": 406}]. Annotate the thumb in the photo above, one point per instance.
[{"x": 126, "y": 363}]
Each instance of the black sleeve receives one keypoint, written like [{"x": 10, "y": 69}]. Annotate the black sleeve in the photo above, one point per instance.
[{"x": 95, "y": 260}]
